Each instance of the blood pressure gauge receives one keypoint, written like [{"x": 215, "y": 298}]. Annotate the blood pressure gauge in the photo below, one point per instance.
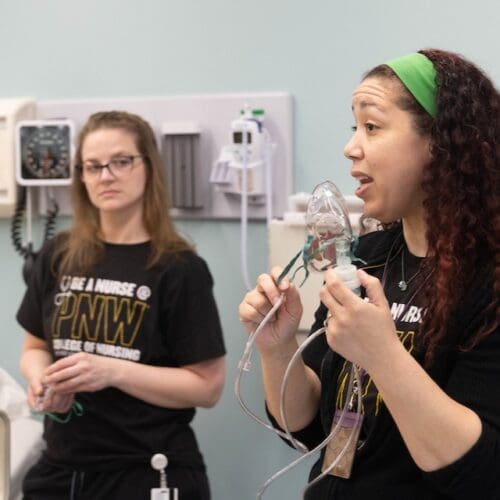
[{"x": 44, "y": 151}]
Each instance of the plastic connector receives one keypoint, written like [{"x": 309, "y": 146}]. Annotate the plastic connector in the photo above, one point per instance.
[
  {"x": 348, "y": 274},
  {"x": 345, "y": 270}
]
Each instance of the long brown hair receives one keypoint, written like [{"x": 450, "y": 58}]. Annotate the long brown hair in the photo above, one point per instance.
[
  {"x": 79, "y": 248},
  {"x": 461, "y": 186}
]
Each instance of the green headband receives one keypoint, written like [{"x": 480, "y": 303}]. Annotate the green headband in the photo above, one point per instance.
[{"x": 419, "y": 76}]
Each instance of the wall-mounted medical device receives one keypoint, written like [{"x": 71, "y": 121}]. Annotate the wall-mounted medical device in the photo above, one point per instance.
[
  {"x": 244, "y": 170},
  {"x": 243, "y": 164},
  {"x": 191, "y": 131},
  {"x": 43, "y": 152},
  {"x": 43, "y": 162},
  {"x": 250, "y": 180}
]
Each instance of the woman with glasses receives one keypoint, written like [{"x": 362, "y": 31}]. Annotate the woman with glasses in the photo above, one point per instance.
[
  {"x": 425, "y": 153},
  {"x": 123, "y": 335}
]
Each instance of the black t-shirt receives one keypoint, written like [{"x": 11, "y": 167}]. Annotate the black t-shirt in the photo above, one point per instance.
[
  {"x": 162, "y": 316},
  {"x": 379, "y": 446},
  {"x": 383, "y": 468}
]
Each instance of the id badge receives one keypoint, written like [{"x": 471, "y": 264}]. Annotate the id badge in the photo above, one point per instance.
[{"x": 351, "y": 423}]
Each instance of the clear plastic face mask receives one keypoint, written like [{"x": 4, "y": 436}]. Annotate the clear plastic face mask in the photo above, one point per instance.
[{"x": 327, "y": 222}]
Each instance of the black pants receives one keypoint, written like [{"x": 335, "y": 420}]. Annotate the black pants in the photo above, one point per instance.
[{"x": 47, "y": 482}]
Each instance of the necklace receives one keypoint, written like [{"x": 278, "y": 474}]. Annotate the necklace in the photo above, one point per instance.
[{"x": 403, "y": 284}]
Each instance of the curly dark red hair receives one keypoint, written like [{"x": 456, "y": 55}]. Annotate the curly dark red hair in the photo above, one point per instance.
[{"x": 461, "y": 186}]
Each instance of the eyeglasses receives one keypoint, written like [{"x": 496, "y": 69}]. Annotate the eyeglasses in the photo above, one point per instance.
[{"x": 119, "y": 166}]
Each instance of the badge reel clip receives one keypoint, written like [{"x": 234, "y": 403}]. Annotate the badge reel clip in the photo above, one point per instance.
[{"x": 159, "y": 462}]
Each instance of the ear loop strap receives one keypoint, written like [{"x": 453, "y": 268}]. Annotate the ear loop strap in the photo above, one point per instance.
[
  {"x": 354, "y": 248},
  {"x": 308, "y": 256},
  {"x": 64, "y": 418}
]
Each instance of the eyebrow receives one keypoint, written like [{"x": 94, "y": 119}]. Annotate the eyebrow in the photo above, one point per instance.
[{"x": 114, "y": 155}]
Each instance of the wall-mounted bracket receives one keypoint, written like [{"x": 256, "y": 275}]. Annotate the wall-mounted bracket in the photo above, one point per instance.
[{"x": 213, "y": 115}]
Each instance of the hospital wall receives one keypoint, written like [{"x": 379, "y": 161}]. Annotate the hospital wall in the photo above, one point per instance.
[{"x": 317, "y": 51}]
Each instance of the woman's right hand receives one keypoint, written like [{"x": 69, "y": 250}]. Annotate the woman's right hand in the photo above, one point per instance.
[
  {"x": 258, "y": 302},
  {"x": 36, "y": 391},
  {"x": 42, "y": 399}
]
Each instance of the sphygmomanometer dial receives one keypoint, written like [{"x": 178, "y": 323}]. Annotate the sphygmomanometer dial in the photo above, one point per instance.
[{"x": 44, "y": 152}]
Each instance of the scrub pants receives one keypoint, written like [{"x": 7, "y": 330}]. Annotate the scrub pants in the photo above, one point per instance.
[{"x": 47, "y": 482}]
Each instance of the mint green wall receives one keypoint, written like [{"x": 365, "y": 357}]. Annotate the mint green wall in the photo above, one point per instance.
[{"x": 316, "y": 50}]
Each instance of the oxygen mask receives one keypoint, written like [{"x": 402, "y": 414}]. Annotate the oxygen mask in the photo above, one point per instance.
[{"x": 329, "y": 232}]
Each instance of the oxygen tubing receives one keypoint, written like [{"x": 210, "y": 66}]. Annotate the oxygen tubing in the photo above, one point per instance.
[
  {"x": 245, "y": 365},
  {"x": 354, "y": 375}
]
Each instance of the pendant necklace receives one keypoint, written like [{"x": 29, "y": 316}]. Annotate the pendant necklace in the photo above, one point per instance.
[{"x": 403, "y": 284}]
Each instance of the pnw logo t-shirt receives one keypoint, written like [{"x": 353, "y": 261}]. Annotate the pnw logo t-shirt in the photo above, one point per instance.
[
  {"x": 162, "y": 316},
  {"x": 99, "y": 316}
]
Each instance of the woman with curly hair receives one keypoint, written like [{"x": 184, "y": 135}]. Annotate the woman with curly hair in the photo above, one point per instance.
[{"x": 425, "y": 151}]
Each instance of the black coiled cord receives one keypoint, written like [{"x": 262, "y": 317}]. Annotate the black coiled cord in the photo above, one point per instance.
[
  {"x": 50, "y": 220},
  {"x": 17, "y": 222},
  {"x": 27, "y": 251}
]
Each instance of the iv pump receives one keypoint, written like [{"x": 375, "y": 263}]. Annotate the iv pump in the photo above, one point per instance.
[
  {"x": 244, "y": 169},
  {"x": 240, "y": 168}
]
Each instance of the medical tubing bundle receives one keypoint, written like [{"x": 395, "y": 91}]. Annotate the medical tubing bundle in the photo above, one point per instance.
[
  {"x": 245, "y": 365},
  {"x": 347, "y": 272},
  {"x": 328, "y": 224},
  {"x": 286, "y": 376},
  {"x": 354, "y": 375}
]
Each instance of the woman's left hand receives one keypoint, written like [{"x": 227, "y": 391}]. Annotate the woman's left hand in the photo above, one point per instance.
[
  {"x": 81, "y": 372},
  {"x": 359, "y": 330}
]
